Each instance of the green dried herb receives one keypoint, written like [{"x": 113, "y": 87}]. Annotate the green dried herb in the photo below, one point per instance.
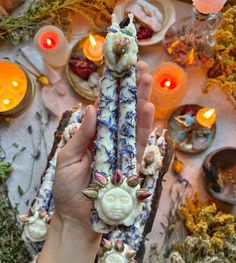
[
  {"x": 5, "y": 170},
  {"x": 20, "y": 190},
  {"x": 12, "y": 248},
  {"x": 56, "y": 12}
]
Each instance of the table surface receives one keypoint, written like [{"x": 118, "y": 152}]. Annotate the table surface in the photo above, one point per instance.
[{"x": 25, "y": 165}]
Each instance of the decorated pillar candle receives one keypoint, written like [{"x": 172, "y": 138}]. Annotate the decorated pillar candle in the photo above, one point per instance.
[
  {"x": 42, "y": 209},
  {"x": 52, "y": 45},
  {"x": 116, "y": 188},
  {"x": 169, "y": 88},
  {"x": 16, "y": 89}
]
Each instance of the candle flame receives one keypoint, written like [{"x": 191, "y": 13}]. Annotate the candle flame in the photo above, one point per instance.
[
  {"x": 15, "y": 84},
  {"x": 49, "y": 42},
  {"x": 6, "y": 101},
  {"x": 209, "y": 113},
  {"x": 168, "y": 83},
  {"x": 92, "y": 40}
]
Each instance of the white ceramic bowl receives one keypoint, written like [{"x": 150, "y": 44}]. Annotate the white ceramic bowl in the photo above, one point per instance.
[{"x": 165, "y": 6}]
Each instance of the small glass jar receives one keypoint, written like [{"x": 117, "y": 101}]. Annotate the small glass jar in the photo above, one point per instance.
[{"x": 190, "y": 41}]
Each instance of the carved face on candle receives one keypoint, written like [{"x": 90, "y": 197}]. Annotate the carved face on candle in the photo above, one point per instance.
[
  {"x": 119, "y": 252},
  {"x": 118, "y": 200},
  {"x": 117, "y": 204},
  {"x": 115, "y": 258},
  {"x": 36, "y": 227}
]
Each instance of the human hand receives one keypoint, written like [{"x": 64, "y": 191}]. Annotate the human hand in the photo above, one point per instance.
[{"x": 73, "y": 172}]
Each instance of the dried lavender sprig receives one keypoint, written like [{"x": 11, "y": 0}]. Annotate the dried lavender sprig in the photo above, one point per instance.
[
  {"x": 127, "y": 123},
  {"x": 105, "y": 143}
]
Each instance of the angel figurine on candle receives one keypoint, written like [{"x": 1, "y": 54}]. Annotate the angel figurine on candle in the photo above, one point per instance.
[{"x": 116, "y": 189}]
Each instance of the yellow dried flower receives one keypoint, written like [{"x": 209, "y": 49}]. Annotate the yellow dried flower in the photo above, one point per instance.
[
  {"x": 226, "y": 55},
  {"x": 177, "y": 166},
  {"x": 210, "y": 63},
  {"x": 217, "y": 243},
  {"x": 206, "y": 223}
]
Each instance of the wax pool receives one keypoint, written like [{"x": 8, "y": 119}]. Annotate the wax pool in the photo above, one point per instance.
[{"x": 13, "y": 85}]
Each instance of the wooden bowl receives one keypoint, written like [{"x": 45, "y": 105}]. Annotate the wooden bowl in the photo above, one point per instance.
[{"x": 219, "y": 174}]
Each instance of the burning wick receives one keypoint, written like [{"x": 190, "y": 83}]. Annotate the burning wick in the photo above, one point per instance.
[
  {"x": 167, "y": 83},
  {"x": 93, "y": 47},
  {"x": 6, "y": 102},
  {"x": 209, "y": 113},
  {"x": 206, "y": 117},
  {"x": 92, "y": 40},
  {"x": 15, "y": 84},
  {"x": 49, "y": 43}
]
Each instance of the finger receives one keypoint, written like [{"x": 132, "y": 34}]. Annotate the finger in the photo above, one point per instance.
[
  {"x": 144, "y": 93},
  {"x": 144, "y": 128},
  {"x": 77, "y": 146},
  {"x": 142, "y": 68},
  {"x": 145, "y": 87}
]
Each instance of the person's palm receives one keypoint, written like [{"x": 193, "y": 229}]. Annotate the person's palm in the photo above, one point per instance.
[{"x": 73, "y": 172}]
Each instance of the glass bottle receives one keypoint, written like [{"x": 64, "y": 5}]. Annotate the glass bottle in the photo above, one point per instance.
[{"x": 190, "y": 41}]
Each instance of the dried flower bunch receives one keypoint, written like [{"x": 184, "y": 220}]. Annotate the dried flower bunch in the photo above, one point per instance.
[
  {"x": 222, "y": 70},
  {"x": 212, "y": 234},
  {"x": 56, "y": 12}
]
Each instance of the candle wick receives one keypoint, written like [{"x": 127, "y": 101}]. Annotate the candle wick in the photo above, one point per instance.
[
  {"x": 6, "y": 102},
  {"x": 92, "y": 41},
  {"x": 168, "y": 83},
  {"x": 15, "y": 84}
]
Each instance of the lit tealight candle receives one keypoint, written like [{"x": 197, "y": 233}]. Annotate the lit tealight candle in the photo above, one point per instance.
[
  {"x": 52, "y": 45},
  {"x": 206, "y": 117},
  {"x": 15, "y": 89},
  {"x": 92, "y": 47},
  {"x": 167, "y": 82},
  {"x": 168, "y": 89}
]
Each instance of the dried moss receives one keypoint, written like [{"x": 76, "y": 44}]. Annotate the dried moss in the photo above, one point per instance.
[{"x": 12, "y": 248}]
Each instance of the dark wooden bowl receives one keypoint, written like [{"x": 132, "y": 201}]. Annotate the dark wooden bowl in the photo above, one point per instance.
[{"x": 219, "y": 174}]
